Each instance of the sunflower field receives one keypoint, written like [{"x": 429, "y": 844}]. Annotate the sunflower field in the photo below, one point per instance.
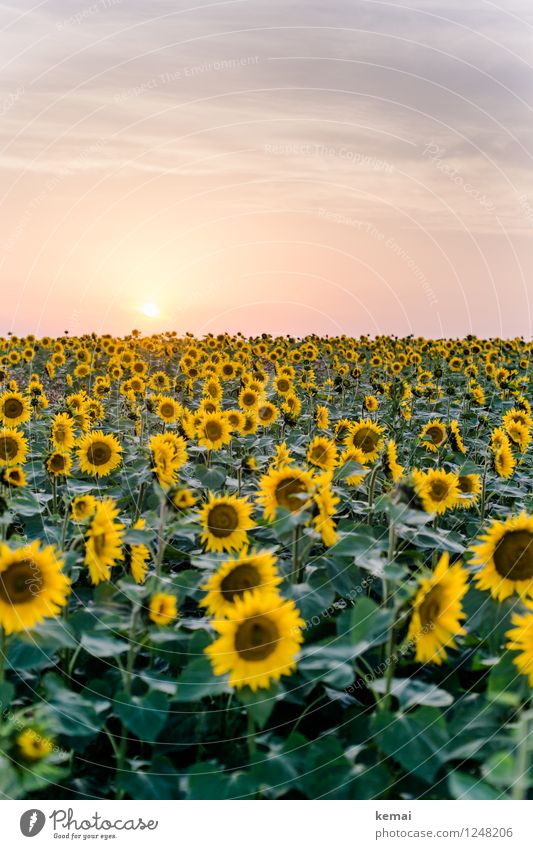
[{"x": 265, "y": 568}]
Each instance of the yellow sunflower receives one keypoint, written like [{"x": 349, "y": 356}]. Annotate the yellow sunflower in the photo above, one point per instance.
[
  {"x": 139, "y": 556},
  {"x": 225, "y": 520},
  {"x": 504, "y": 461},
  {"x": 322, "y": 417},
  {"x": 267, "y": 413},
  {"x": 287, "y": 486},
  {"x": 438, "y": 612},
  {"x": 82, "y": 507},
  {"x": 249, "y": 571},
  {"x": 59, "y": 464},
  {"x": 33, "y": 745},
  {"x": 259, "y": 641},
  {"x": 438, "y": 490},
  {"x": 393, "y": 470},
  {"x": 469, "y": 487},
  {"x": 99, "y": 453},
  {"x": 322, "y": 452},
  {"x": 455, "y": 438},
  {"x": 519, "y": 435},
  {"x": 214, "y": 431},
  {"x": 183, "y": 498},
  {"x": 521, "y": 639},
  {"x": 371, "y": 403},
  {"x": 353, "y": 455},
  {"x": 366, "y": 435},
  {"x": 62, "y": 432},
  {"x": 433, "y": 435},
  {"x": 14, "y": 476},
  {"x": 14, "y": 408},
  {"x": 13, "y": 447},
  {"x": 168, "y": 409},
  {"x": 505, "y": 552},
  {"x": 163, "y": 609},
  {"x": 326, "y": 502},
  {"x": 32, "y": 586},
  {"x": 103, "y": 541}
]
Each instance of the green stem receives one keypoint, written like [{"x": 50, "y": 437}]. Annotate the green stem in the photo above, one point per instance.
[
  {"x": 3, "y": 653},
  {"x": 521, "y": 782},
  {"x": 250, "y": 734},
  {"x": 371, "y": 486},
  {"x": 161, "y": 544},
  {"x": 296, "y": 534},
  {"x": 389, "y": 651},
  {"x": 128, "y": 680}
]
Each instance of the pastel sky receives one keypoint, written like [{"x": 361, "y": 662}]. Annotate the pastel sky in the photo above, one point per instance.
[{"x": 328, "y": 166}]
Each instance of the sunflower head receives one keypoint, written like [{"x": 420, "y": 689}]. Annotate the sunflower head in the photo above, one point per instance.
[
  {"x": 163, "y": 609},
  {"x": 225, "y": 520},
  {"x": 249, "y": 571},
  {"x": 33, "y": 745},
  {"x": 289, "y": 487},
  {"x": 32, "y": 586},
  {"x": 505, "y": 553},
  {"x": 433, "y": 435},
  {"x": 99, "y": 453},
  {"x": 366, "y": 436}
]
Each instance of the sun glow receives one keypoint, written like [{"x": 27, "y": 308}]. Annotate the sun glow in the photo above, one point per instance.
[{"x": 149, "y": 310}]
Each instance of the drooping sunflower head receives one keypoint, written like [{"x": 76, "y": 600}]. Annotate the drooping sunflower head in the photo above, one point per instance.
[
  {"x": 433, "y": 435},
  {"x": 62, "y": 432},
  {"x": 393, "y": 469},
  {"x": 367, "y": 436},
  {"x": 249, "y": 571},
  {"x": 438, "y": 612},
  {"x": 225, "y": 520},
  {"x": 504, "y": 461},
  {"x": 289, "y": 487},
  {"x": 32, "y": 586},
  {"x": 455, "y": 438},
  {"x": 258, "y": 642},
  {"x": 505, "y": 553},
  {"x": 520, "y": 639},
  {"x": 103, "y": 545},
  {"x": 99, "y": 453}
]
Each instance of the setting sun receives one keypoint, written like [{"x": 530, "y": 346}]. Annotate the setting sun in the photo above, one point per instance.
[{"x": 150, "y": 310}]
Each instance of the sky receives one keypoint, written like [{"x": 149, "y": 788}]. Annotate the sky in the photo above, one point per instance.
[{"x": 342, "y": 166}]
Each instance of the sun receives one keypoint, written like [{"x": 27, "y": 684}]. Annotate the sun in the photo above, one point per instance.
[{"x": 150, "y": 310}]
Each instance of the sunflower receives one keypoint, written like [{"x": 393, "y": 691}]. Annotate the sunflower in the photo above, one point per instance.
[
  {"x": 455, "y": 438},
  {"x": 322, "y": 417},
  {"x": 14, "y": 476},
  {"x": 438, "y": 490},
  {"x": 282, "y": 457},
  {"x": 183, "y": 498},
  {"x": 499, "y": 439},
  {"x": 168, "y": 409},
  {"x": 267, "y": 413},
  {"x": 163, "y": 609},
  {"x": 438, "y": 612},
  {"x": 14, "y": 408},
  {"x": 353, "y": 455},
  {"x": 366, "y": 435},
  {"x": 32, "y": 586},
  {"x": 469, "y": 487},
  {"x": 33, "y": 745},
  {"x": 504, "y": 461},
  {"x": 433, "y": 435},
  {"x": 505, "y": 552},
  {"x": 287, "y": 486},
  {"x": 521, "y": 639},
  {"x": 249, "y": 571},
  {"x": 103, "y": 541},
  {"x": 393, "y": 470},
  {"x": 214, "y": 431},
  {"x": 519, "y": 435},
  {"x": 249, "y": 399},
  {"x": 13, "y": 447},
  {"x": 371, "y": 403},
  {"x": 82, "y": 507},
  {"x": 139, "y": 556},
  {"x": 322, "y": 452},
  {"x": 99, "y": 453},
  {"x": 62, "y": 432},
  {"x": 236, "y": 419},
  {"x": 225, "y": 520},
  {"x": 258, "y": 642},
  {"x": 59, "y": 464},
  {"x": 283, "y": 385},
  {"x": 326, "y": 502}
]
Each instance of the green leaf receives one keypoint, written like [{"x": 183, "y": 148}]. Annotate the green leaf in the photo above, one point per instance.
[
  {"x": 198, "y": 680},
  {"x": 70, "y": 713},
  {"x": 100, "y": 646},
  {"x": 259, "y": 704},
  {"x": 145, "y": 715},
  {"x": 410, "y": 691},
  {"x": 467, "y": 787},
  {"x": 417, "y": 740}
]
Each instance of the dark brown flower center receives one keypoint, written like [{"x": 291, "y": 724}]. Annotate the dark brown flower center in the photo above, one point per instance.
[
  {"x": 288, "y": 492},
  {"x": 513, "y": 557},
  {"x": 8, "y": 448},
  {"x": 438, "y": 490},
  {"x": 58, "y": 462},
  {"x": 431, "y": 607},
  {"x": 283, "y": 385},
  {"x": 99, "y": 453},
  {"x": 366, "y": 439},
  {"x": 465, "y": 484},
  {"x": 249, "y": 399},
  {"x": 435, "y": 435},
  {"x": 265, "y": 413},
  {"x": 167, "y": 410},
  {"x": 256, "y": 638},
  {"x": 20, "y": 582},
  {"x": 222, "y": 520},
  {"x": 243, "y": 577},
  {"x": 213, "y": 430},
  {"x": 13, "y": 408}
]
